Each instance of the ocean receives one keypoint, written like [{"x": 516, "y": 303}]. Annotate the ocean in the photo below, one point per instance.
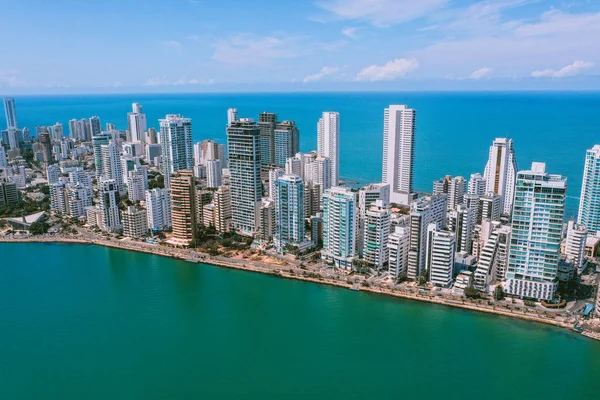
[
  {"x": 87, "y": 322},
  {"x": 453, "y": 132}
]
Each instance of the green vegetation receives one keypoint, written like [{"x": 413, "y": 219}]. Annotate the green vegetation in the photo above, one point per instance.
[
  {"x": 498, "y": 293},
  {"x": 529, "y": 303},
  {"x": 472, "y": 293},
  {"x": 156, "y": 181},
  {"x": 24, "y": 207},
  {"x": 39, "y": 228}
]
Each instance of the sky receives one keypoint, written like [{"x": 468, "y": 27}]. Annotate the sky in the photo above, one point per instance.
[{"x": 95, "y": 46}]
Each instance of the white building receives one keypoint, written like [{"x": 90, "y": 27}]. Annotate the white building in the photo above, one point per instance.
[
  {"x": 289, "y": 212},
  {"x": 232, "y": 116},
  {"x": 441, "y": 247},
  {"x": 319, "y": 172},
  {"x": 376, "y": 232},
  {"x": 137, "y": 183},
  {"x": 243, "y": 141},
  {"x": 274, "y": 175},
  {"x": 490, "y": 207},
  {"x": 3, "y": 162},
  {"x": 176, "y": 145},
  {"x": 97, "y": 143},
  {"x": 493, "y": 258},
  {"x": 158, "y": 209},
  {"x": 109, "y": 205},
  {"x": 539, "y": 208},
  {"x": 111, "y": 164},
  {"x": 398, "y": 152},
  {"x": 339, "y": 226},
  {"x": 53, "y": 173},
  {"x": 501, "y": 171},
  {"x": 589, "y": 203},
  {"x": 424, "y": 212},
  {"x": 455, "y": 188},
  {"x": 477, "y": 184},
  {"x": 222, "y": 202},
  {"x": 135, "y": 223},
  {"x": 10, "y": 111},
  {"x": 462, "y": 222},
  {"x": 213, "y": 173},
  {"x": 398, "y": 246},
  {"x": 575, "y": 246},
  {"x": 137, "y": 124},
  {"x": 367, "y": 195},
  {"x": 328, "y": 145}
]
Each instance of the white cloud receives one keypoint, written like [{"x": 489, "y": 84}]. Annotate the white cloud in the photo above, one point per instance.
[
  {"x": 350, "y": 32},
  {"x": 480, "y": 73},
  {"x": 325, "y": 71},
  {"x": 246, "y": 49},
  {"x": 390, "y": 71},
  {"x": 567, "y": 70},
  {"x": 163, "y": 80},
  {"x": 381, "y": 12},
  {"x": 10, "y": 78}
]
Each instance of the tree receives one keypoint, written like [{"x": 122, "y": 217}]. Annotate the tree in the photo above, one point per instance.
[
  {"x": 472, "y": 293},
  {"x": 39, "y": 228},
  {"x": 498, "y": 293}
]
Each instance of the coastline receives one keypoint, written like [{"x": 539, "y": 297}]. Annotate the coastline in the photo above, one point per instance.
[{"x": 206, "y": 259}]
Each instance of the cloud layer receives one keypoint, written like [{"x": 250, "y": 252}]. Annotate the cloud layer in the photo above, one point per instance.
[
  {"x": 567, "y": 70},
  {"x": 390, "y": 71}
]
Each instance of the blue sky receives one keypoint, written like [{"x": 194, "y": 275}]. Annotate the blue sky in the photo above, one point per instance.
[{"x": 210, "y": 45}]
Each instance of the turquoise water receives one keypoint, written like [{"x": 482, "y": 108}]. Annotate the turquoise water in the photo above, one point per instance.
[
  {"x": 454, "y": 130},
  {"x": 84, "y": 322}
]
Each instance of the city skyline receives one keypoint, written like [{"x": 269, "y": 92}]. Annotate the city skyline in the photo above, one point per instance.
[{"x": 517, "y": 44}]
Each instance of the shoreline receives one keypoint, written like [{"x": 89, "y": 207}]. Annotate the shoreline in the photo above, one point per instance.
[{"x": 206, "y": 259}]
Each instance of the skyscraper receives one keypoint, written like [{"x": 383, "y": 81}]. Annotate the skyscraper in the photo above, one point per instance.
[
  {"x": 366, "y": 197},
  {"x": 243, "y": 141},
  {"x": 339, "y": 226},
  {"x": 318, "y": 172},
  {"x": 539, "y": 208},
  {"x": 398, "y": 246},
  {"x": 95, "y": 127},
  {"x": 462, "y": 222},
  {"x": 213, "y": 174},
  {"x": 137, "y": 123},
  {"x": 441, "y": 246},
  {"x": 289, "y": 212},
  {"x": 376, "y": 232},
  {"x": 73, "y": 129},
  {"x": 477, "y": 184},
  {"x": 158, "y": 208},
  {"x": 10, "y": 111},
  {"x": 589, "y": 203},
  {"x": 501, "y": 171},
  {"x": 328, "y": 142},
  {"x": 286, "y": 143},
  {"x": 222, "y": 202},
  {"x": 97, "y": 142},
  {"x": 176, "y": 145},
  {"x": 232, "y": 116},
  {"x": 46, "y": 143},
  {"x": 3, "y": 161},
  {"x": 424, "y": 212},
  {"x": 398, "y": 152},
  {"x": 109, "y": 205},
  {"x": 111, "y": 164},
  {"x": 57, "y": 132},
  {"x": 455, "y": 188},
  {"x": 575, "y": 246},
  {"x": 183, "y": 208},
  {"x": 267, "y": 122}
]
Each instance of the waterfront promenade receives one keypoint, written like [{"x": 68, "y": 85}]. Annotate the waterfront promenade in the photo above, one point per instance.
[{"x": 317, "y": 273}]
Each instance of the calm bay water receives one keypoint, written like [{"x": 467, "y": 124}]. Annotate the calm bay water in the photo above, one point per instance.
[
  {"x": 85, "y": 322},
  {"x": 454, "y": 130}
]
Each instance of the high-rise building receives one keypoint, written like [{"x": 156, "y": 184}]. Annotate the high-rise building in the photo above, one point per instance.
[
  {"x": 425, "y": 211},
  {"x": 267, "y": 122},
  {"x": 10, "y": 111},
  {"x": 398, "y": 152},
  {"x": 176, "y": 145},
  {"x": 53, "y": 173},
  {"x": 57, "y": 132},
  {"x": 183, "y": 208},
  {"x": 339, "y": 226},
  {"x": 455, "y": 188},
  {"x": 9, "y": 194},
  {"x": 222, "y": 202},
  {"x": 398, "y": 246},
  {"x": 501, "y": 171},
  {"x": 538, "y": 211},
  {"x": 111, "y": 164},
  {"x": 158, "y": 208},
  {"x": 589, "y": 203},
  {"x": 490, "y": 207},
  {"x": 232, "y": 116},
  {"x": 462, "y": 222},
  {"x": 73, "y": 134},
  {"x": 319, "y": 173},
  {"x": 575, "y": 246},
  {"x": 267, "y": 224},
  {"x": 441, "y": 246},
  {"x": 3, "y": 162},
  {"x": 366, "y": 197},
  {"x": 243, "y": 141},
  {"x": 274, "y": 175},
  {"x": 59, "y": 200},
  {"x": 97, "y": 142},
  {"x": 95, "y": 127},
  {"x": 328, "y": 142},
  {"x": 109, "y": 205},
  {"x": 312, "y": 199},
  {"x": 79, "y": 198},
  {"x": 289, "y": 212},
  {"x": 493, "y": 260},
  {"x": 137, "y": 183},
  {"x": 84, "y": 129},
  {"x": 46, "y": 143},
  {"x": 477, "y": 184},
  {"x": 213, "y": 174},
  {"x": 135, "y": 224},
  {"x": 137, "y": 123},
  {"x": 376, "y": 232},
  {"x": 286, "y": 142}
]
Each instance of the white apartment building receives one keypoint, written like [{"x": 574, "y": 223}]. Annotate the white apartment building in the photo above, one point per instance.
[
  {"x": 589, "y": 203},
  {"x": 376, "y": 232},
  {"x": 398, "y": 246},
  {"x": 501, "y": 172},
  {"x": 441, "y": 247},
  {"x": 339, "y": 226},
  {"x": 328, "y": 145},
  {"x": 135, "y": 223},
  {"x": 575, "y": 246},
  {"x": 158, "y": 209}
]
